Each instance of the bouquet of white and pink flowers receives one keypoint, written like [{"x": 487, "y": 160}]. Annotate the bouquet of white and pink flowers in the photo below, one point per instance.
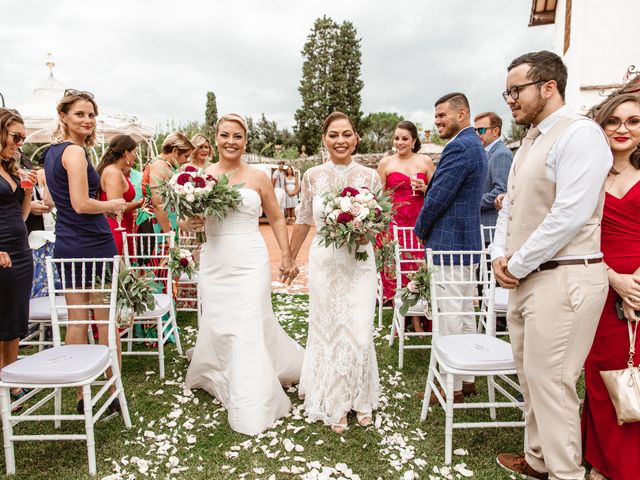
[
  {"x": 192, "y": 193},
  {"x": 418, "y": 288},
  {"x": 352, "y": 215},
  {"x": 182, "y": 261}
]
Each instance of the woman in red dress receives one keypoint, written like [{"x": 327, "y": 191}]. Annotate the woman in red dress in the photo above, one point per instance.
[
  {"x": 405, "y": 174},
  {"x": 613, "y": 451},
  {"x": 114, "y": 183}
]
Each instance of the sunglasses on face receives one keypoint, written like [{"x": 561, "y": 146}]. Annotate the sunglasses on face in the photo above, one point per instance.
[
  {"x": 70, "y": 92},
  {"x": 17, "y": 137},
  {"x": 482, "y": 130}
]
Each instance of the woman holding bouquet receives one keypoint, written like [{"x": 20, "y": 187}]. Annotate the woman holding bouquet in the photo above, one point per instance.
[
  {"x": 405, "y": 174},
  {"x": 242, "y": 355},
  {"x": 340, "y": 371}
]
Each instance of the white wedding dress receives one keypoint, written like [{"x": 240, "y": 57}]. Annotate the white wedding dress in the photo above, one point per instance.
[
  {"x": 242, "y": 355},
  {"x": 340, "y": 371}
]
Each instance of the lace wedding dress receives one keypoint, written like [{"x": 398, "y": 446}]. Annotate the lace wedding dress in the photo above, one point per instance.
[
  {"x": 340, "y": 370},
  {"x": 242, "y": 355}
]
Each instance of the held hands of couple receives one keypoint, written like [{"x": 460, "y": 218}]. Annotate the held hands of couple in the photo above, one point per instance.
[
  {"x": 288, "y": 270},
  {"x": 502, "y": 273}
]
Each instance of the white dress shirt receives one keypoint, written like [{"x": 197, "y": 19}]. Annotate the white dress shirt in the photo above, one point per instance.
[
  {"x": 490, "y": 146},
  {"x": 578, "y": 164}
]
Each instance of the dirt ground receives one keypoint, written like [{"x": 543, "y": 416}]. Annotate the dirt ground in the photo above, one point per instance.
[{"x": 299, "y": 285}]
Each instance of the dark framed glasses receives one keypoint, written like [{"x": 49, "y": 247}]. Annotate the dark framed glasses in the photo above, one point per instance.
[
  {"x": 17, "y": 137},
  {"x": 71, "y": 92},
  {"x": 514, "y": 92},
  {"x": 631, "y": 124}
]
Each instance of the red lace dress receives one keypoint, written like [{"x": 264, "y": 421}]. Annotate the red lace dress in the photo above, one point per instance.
[
  {"x": 614, "y": 450},
  {"x": 407, "y": 207},
  {"x": 127, "y": 217}
]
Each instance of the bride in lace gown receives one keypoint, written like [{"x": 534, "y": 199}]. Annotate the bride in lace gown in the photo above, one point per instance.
[
  {"x": 340, "y": 370},
  {"x": 242, "y": 355}
]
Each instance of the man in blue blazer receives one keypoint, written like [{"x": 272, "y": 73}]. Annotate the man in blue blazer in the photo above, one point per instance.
[
  {"x": 450, "y": 216},
  {"x": 488, "y": 126}
]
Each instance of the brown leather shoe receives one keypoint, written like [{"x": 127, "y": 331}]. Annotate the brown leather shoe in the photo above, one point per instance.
[
  {"x": 469, "y": 388},
  {"x": 516, "y": 462},
  {"x": 458, "y": 397}
]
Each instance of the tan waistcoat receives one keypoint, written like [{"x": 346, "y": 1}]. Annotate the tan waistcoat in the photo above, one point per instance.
[{"x": 531, "y": 195}]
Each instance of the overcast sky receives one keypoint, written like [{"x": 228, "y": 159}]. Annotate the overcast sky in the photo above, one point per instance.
[{"x": 157, "y": 59}]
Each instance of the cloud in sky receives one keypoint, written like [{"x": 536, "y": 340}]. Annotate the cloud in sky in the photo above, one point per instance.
[{"x": 158, "y": 59}]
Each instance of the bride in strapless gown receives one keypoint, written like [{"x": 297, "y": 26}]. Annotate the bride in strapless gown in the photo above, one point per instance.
[{"x": 242, "y": 355}]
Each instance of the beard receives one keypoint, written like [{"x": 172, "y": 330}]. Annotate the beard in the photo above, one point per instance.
[
  {"x": 451, "y": 130},
  {"x": 532, "y": 111}
]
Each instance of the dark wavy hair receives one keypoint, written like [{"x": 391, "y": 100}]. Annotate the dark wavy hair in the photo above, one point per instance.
[
  {"x": 7, "y": 118},
  {"x": 117, "y": 146},
  {"x": 606, "y": 110},
  {"x": 413, "y": 130}
]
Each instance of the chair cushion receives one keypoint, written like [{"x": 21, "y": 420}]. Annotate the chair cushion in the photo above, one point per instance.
[
  {"x": 474, "y": 351},
  {"x": 163, "y": 304},
  {"x": 64, "y": 364},
  {"x": 501, "y": 300},
  {"x": 39, "y": 308}
]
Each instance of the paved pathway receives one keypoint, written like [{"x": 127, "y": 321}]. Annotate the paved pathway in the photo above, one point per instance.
[{"x": 299, "y": 285}]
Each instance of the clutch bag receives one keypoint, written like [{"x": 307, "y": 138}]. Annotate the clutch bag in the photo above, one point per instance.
[{"x": 624, "y": 385}]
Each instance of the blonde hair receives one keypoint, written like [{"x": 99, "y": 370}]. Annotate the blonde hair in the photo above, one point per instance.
[
  {"x": 64, "y": 105},
  {"x": 197, "y": 141},
  {"x": 176, "y": 140},
  {"x": 8, "y": 118},
  {"x": 233, "y": 117}
]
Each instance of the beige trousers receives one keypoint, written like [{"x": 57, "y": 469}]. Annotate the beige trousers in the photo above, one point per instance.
[
  {"x": 460, "y": 322},
  {"x": 552, "y": 321}
]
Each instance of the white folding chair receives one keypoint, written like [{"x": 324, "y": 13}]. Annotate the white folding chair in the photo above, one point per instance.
[
  {"x": 408, "y": 255},
  {"x": 151, "y": 252},
  {"x": 68, "y": 366},
  {"x": 471, "y": 354},
  {"x": 380, "y": 300},
  {"x": 501, "y": 297},
  {"x": 188, "y": 292}
]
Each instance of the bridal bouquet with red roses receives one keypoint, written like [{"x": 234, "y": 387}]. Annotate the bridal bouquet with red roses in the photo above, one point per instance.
[
  {"x": 353, "y": 215},
  {"x": 192, "y": 193}
]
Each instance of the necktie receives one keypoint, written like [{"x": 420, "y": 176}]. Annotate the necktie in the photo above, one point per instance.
[{"x": 522, "y": 152}]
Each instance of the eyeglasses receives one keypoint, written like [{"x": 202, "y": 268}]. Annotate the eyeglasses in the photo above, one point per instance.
[
  {"x": 17, "y": 137},
  {"x": 483, "y": 130},
  {"x": 70, "y": 92},
  {"x": 514, "y": 92},
  {"x": 612, "y": 124}
]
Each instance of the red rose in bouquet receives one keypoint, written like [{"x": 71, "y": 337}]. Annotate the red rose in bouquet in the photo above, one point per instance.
[
  {"x": 183, "y": 179},
  {"x": 189, "y": 168},
  {"x": 344, "y": 217},
  {"x": 349, "y": 190},
  {"x": 199, "y": 182}
]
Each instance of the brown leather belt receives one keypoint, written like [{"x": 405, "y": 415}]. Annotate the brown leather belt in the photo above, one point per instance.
[{"x": 551, "y": 264}]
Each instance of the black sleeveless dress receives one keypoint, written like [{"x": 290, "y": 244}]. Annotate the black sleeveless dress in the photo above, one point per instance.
[{"x": 15, "y": 282}]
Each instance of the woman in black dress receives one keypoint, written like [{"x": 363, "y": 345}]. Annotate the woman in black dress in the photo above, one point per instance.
[
  {"x": 16, "y": 265},
  {"x": 82, "y": 230}
]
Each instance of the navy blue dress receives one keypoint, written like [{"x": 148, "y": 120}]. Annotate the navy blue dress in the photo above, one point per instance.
[
  {"x": 78, "y": 235},
  {"x": 15, "y": 282}
]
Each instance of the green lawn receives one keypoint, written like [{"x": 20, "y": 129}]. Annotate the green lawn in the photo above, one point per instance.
[{"x": 177, "y": 434}]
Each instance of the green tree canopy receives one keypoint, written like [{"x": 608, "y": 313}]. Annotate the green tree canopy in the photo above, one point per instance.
[
  {"x": 330, "y": 79},
  {"x": 377, "y": 131},
  {"x": 210, "y": 114}
]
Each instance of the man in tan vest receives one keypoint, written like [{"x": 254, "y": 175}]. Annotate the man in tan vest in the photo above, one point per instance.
[{"x": 547, "y": 250}]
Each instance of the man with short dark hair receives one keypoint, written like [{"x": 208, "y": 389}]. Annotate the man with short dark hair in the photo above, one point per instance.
[
  {"x": 488, "y": 126},
  {"x": 450, "y": 216},
  {"x": 547, "y": 248}
]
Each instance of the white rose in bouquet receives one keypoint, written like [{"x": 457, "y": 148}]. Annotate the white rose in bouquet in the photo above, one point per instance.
[
  {"x": 345, "y": 204},
  {"x": 413, "y": 287}
]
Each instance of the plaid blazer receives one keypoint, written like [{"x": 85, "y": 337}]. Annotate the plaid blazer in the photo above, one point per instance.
[{"x": 450, "y": 216}]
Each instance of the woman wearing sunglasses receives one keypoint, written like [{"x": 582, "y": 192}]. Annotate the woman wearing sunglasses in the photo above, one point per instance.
[
  {"x": 81, "y": 230},
  {"x": 16, "y": 264}
]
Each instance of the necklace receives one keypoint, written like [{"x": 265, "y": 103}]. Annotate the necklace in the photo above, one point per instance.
[
  {"x": 231, "y": 173},
  {"x": 614, "y": 173}
]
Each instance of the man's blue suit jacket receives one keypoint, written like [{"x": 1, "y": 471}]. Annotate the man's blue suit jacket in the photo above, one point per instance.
[
  {"x": 450, "y": 216},
  {"x": 499, "y": 159}
]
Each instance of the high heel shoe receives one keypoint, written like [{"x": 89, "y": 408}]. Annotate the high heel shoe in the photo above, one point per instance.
[
  {"x": 364, "y": 419},
  {"x": 341, "y": 426}
]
